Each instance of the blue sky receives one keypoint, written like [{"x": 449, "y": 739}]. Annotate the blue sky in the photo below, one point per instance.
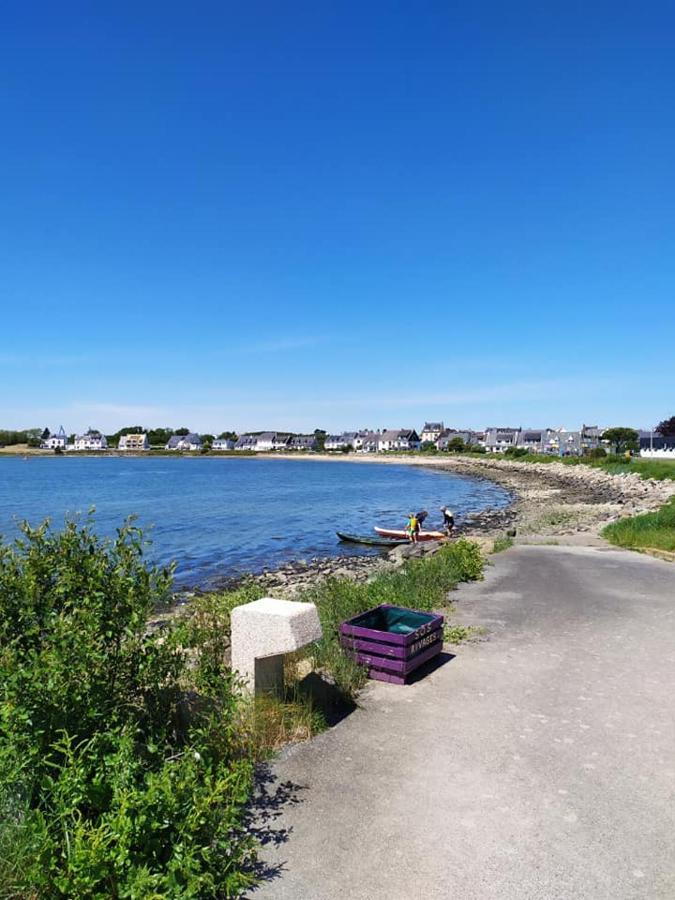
[{"x": 323, "y": 214}]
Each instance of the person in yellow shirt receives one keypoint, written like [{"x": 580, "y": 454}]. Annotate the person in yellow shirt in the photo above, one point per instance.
[{"x": 413, "y": 528}]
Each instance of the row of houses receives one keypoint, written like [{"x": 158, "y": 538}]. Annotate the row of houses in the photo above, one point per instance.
[
  {"x": 267, "y": 441},
  {"x": 90, "y": 440},
  {"x": 549, "y": 441}
]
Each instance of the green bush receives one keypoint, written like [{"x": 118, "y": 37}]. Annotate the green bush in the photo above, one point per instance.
[
  {"x": 121, "y": 770},
  {"x": 516, "y": 452},
  {"x": 596, "y": 453}
]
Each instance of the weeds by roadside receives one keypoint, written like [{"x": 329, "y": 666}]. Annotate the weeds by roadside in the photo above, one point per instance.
[
  {"x": 458, "y": 634},
  {"x": 502, "y": 543}
]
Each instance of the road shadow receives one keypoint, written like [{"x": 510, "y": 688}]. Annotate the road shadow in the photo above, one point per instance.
[
  {"x": 261, "y": 819},
  {"x": 437, "y": 662}
]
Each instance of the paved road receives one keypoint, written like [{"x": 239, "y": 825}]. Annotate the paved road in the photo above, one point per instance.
[{"x": 537, "y": 764}]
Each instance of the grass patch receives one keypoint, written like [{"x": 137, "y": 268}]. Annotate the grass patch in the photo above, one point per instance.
[
  {"x": 659, "y": 469},
  {"x": 502, "y": 543},
  {"x": 654, "y": 530},
  {"x": 458, "y": 634}
]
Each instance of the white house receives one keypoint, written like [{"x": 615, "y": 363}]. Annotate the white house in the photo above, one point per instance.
[
  {"x": 367, "y": 441},
  {"x": 431, "y": 431},
  {"x": 303, "y": 442},
  {"x": 187, "y": 442},
  {"x": 55, "y": 441},
  {"x": 133, "y": 443},
  {"x": 263, "y": 442},
  {"x": 498, "y": 440},
  {"x": 340, "y": 441},
  {"x": 91, "y": 440},
  {"x": 398, "y": 439},
  {"x": 222, "y": 444}
]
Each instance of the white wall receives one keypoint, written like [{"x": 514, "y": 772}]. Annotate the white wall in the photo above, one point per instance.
[{"x": 663, "y": 453}]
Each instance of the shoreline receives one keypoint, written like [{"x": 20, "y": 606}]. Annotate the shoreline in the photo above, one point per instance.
[{"x": 551, "y": 504}]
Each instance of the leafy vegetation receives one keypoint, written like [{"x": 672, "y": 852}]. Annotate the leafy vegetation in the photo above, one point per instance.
[
  {"x": 31, "y": 437},
  {"x": 667, "y": 427},
  {"x": 122, "y": 770},
  {"x": 655, "y": 530},
  {"x": 622, "y": 440}
]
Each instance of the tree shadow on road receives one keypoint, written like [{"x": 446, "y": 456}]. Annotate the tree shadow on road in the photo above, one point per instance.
[{"x": 266, "y": 806}]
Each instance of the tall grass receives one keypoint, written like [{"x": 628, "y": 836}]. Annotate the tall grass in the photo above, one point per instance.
[{"x": 655, "y": 530}]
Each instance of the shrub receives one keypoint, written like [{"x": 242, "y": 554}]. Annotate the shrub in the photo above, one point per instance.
[
  {"x": 121, "y": 771},
  {"x": 515, "y": 452},
  {"x": 596, "y": 453}
]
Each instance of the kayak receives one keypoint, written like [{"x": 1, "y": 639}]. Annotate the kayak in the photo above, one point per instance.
[
  {"x": 370, "y": 541},
  {"x": 399, "y": 534}
]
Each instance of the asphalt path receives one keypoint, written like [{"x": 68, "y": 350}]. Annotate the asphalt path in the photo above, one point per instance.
[{"x": 538, "y": 762}]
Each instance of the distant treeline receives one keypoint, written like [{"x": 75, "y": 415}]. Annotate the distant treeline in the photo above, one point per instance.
[{"x": 30, "y": 436}]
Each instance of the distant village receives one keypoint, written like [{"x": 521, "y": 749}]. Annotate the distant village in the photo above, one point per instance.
[{"x": 432, "y": 437}]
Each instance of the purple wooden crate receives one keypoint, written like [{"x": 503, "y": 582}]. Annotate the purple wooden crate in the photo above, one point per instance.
[
  {"x": 392, "y": 650},
  {"x": 427, "y": 622},
  {"x": 392, "y": 641}
]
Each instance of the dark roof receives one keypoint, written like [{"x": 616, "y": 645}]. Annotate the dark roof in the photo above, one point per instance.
[
  {"x": 658, "y": 442},
  {"x": 532, "y": 436}
]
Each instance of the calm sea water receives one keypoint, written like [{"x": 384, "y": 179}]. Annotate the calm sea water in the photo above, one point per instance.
[{"x": 223, "y": 517}]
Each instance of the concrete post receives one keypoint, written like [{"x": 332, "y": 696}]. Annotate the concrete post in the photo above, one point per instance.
[{"x": 265, "y": 630}]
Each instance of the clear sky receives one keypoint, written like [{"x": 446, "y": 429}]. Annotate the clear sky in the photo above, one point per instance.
[{"x": 336, "y": 214}]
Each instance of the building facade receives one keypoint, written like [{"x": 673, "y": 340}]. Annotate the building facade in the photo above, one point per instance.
[
  {"x": 56, "y": 441},
  {"x": 91, "y": 440},
  {"x": 135, "y": 443}
]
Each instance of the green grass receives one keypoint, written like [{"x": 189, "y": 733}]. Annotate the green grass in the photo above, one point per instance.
[
  {"x": 655, "y": 530},
  {"x": 457, "y": 634},
  {"x": 659, "y": 469},
  {"x": 502, "y": 543}
]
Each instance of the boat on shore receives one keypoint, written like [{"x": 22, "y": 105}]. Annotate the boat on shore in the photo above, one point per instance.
[
  {"x": 369, "y": 540},
  {"x": 401, "y": 534}
]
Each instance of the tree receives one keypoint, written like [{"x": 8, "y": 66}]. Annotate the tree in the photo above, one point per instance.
[
  {"x": 622, "y": 440},
  {"x": 456, "y": 445},
  {"x": 46, "y": 434},
  {"x": 207, "y": 438},
  {"x": 320, "y": 436},
  {"x": 667, "y": 427},
  {"x": 228, "y": 436},
  {"x": 427, "y": 447},
  {"x": 33, "y": 437},
  {"x": 181, "y": 432},
  {"x": 159, "y": 437}
]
